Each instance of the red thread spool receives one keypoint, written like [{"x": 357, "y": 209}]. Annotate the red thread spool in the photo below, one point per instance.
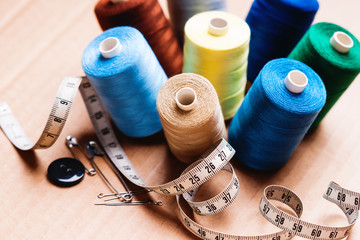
[{"x": 146, "y": 16}]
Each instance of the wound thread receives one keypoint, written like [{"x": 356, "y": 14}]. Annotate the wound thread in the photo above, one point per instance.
[
  {"x": 128, "y": 82},
  {"x": 337, "y": 69},
  {"x": 272, "y": 121},
  {"x": 182, "y": 10},
  {"x": 190, "y": 132},
  {"x": 146, "y": 16},
  {"x": 217, "y": 47},
  {"x": 276, "y": 27}
]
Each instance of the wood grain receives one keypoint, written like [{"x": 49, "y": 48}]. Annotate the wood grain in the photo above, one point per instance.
[{"x": 42, "y": 42}]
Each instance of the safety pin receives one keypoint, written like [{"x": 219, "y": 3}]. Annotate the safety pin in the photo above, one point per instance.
[
  {"x": 149, "y": 202},
  {"x": 70, "y": 143},
  {"x": 128, "y": 195},
  {"x": 91, "y": 150},
  {"x": 99, "y": 152},
  {"x": 122, "y": 195},
  {"x": 142, "y": 191}
]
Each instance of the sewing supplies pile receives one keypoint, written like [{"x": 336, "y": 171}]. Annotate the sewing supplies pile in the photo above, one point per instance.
[{"x": 185, "y": 78}]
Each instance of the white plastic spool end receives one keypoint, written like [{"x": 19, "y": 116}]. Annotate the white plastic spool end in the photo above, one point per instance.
[
  {"x": 110, "y": 47},
  {"x": 341, "y": 42},
  {"x": 296, "y": 81},
  {"x": 218, "y": 26},
  {"x": 186, "y": 98}
]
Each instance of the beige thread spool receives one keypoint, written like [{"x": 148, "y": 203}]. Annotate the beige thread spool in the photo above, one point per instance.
[{"x": 191, "y": 116}]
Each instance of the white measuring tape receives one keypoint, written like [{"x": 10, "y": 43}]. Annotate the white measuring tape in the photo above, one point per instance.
[
  {"x": 54, "y": 125},
  {"x": 216, "y": 158}
]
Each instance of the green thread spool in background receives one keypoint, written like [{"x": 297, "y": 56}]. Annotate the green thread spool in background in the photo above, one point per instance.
[{"x": 337, "y": 70}]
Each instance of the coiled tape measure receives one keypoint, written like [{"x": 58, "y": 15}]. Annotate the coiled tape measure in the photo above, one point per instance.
[{"x": 216, "y": 158}]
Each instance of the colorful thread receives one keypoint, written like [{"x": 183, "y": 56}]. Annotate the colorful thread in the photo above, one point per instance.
[
  {"x": 272, "y": 121},
  {"x": 276, "y": 27},
  {"x": 146, "y": 16},
  {"x": 195, "y": 122},
  {"x": 220, "y": 57},
  {"x": 127, "y": 83},
  {"x": 337, "y": 70},
  {"x": 181, "y": 10}
]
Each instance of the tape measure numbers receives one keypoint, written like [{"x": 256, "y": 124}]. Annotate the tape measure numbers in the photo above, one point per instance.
[
  {"x": 291, "y": 224},
  {"x": 54, "y": 125},
  {"x": 216, "y": 158},
  {"x": 212, "y": 161},
  {"x": 348, "y": 201}
]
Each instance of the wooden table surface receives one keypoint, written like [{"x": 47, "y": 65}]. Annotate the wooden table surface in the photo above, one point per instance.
[{"x": 42, "y": 42}]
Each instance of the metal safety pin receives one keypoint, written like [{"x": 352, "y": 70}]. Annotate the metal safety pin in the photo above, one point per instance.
[
  {"x": 128, "y": 195},
  {"x": 99, "y": 152},
  {"x": 92, "y": 151},
  {"x": 142, "y": 191},
  {"x": 70, "y": 143},
  {"x": 121, "y": 195},
  {"x": 150, "y": 202}
]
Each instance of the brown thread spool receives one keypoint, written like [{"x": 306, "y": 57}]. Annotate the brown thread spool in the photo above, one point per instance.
[
  {"x": 146, "y": 16},
  {"x": 191, "y": 115}
]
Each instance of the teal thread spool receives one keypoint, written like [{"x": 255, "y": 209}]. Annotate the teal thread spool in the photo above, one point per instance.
[{"x": 334, "y": 53}]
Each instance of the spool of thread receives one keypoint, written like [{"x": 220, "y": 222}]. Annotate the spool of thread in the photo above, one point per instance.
[
  {"x": 181, "y": 10},
  {"x": 127, "y": 76},
  {"x": 276, "y": 27},
  {"x": 146, "y": 16},
  {"x": 276, "y": 113},
  {"x": 334, "y": 53},
  {"x": 191, "y": 116},
  {"x": 217, "y": 47}
]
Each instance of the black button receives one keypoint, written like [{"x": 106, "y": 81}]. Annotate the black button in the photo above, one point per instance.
[{"x": 66, "y": 172}]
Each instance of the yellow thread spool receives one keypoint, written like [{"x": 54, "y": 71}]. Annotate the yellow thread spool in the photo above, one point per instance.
[
  {"x": 190, "y": 114},
  {"x": 217, "y": 47}
]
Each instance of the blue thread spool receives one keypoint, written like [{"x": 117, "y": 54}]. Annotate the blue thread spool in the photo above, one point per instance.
[
  {"x": 272, "y": 120},
  {"x": 276, "y": 27},
  {"x": 127, "y": 76}
]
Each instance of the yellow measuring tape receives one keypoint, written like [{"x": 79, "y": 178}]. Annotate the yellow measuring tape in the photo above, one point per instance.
[{"x": 216, "y": 158}]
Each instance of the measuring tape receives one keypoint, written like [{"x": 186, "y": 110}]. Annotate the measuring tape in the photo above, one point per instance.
[
  {"x": 216, "y": 158},
  {"x": 347, "y": 201},
  {"x": 54, "y": 125}
]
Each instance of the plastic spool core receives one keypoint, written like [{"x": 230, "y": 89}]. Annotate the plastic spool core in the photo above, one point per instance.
[
  {"x": 110, "y": 47},
  {"x": 218, "y": 26},
  {"x": 341, "y": 42},
  {"x": 186, "y": 98},
  {"x": 296, "y": 81}
]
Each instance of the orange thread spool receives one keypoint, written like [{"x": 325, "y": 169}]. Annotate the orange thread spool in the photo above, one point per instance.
[{"x": 146, "y": 16}]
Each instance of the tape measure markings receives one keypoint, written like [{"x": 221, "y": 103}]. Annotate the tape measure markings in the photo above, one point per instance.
[
  {"x": 298, "y": 227},
  {"x": 105, "y": 133},
  {"x": 54, "y": 125},
  {"x": 216, "y": 158},
  {"x": 217, "y": 203},
  {"x": 344, "y": 197},
  {"x": 207, "y": 233},
  {"x": 199, "y": 171}
]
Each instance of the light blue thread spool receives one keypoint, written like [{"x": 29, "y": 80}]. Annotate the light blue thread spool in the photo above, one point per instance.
[
  {"x": 127, "y": 76},
  {"x": 272, "y": 121}
]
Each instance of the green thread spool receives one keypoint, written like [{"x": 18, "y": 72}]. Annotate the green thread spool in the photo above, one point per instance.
[{"x": 333, "y": 53}]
